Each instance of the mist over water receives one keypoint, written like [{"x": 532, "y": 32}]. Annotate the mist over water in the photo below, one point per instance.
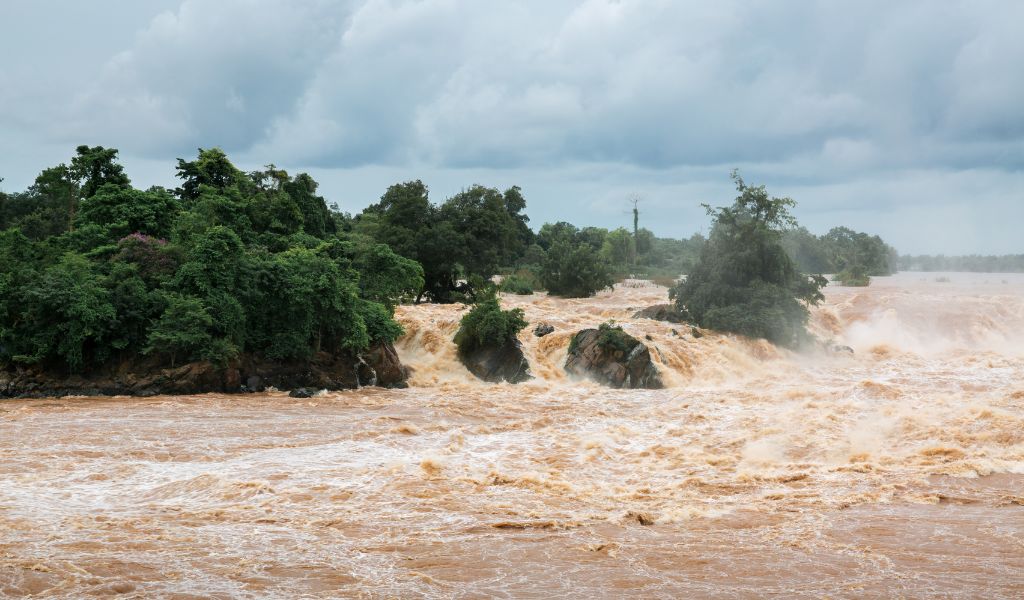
[{"x": 897, "y": 470}]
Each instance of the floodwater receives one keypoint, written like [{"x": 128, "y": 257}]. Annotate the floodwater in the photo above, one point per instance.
[{"x": 897, "y": 471}]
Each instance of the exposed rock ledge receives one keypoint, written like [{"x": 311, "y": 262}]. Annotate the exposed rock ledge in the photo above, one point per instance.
[
  {"x": 378, "y": 366},
  {"x": 661, "y": 312},
  {"x": 626, "y": 363},
  {"x": 498, "y": 363}
]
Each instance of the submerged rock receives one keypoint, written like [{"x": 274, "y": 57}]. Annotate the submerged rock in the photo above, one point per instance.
[
  {"x": 302, "y": 393},
  {"x": 498, "y": 363},
  {"x": 543, "y": 329},
  {"x": 661, "y": 312},
  {"x": 612, "y": 357}
]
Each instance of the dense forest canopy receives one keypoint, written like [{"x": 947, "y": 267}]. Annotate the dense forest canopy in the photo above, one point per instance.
[{"x": 95, "y": 270}]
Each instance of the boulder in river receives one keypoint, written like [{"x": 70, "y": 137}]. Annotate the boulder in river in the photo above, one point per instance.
[
  {"x": 661, "y": 312},
  {"x": 543, "y": 329},
  {"x": 612, "y": 357},
  {"x": 302, "y": 393},
  {"x": 498, "y": 363}
]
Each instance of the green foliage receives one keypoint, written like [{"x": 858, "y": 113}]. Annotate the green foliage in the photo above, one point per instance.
[
  {"x": 474, "y": 233},
  {"x": 123, "y": 210},
  {"x": 841, "y": 249},
  {"x": 854, "y": 276},
  {"x": 487, "y": 325},
  {"x": 183, "y": 329},
  {"x": 235, "y": 263},
  {"x": 71, "y": 313},
  {"x": 96, "y": 167},
  {"x": 386, "y": 277},
  {"x": 520, "y": 283},
  {"x": 744, "y": 281},
  {"x": 572, "y": 266},
  {"x": 619, "y": 249},
  {"x": 611, "y": 338}
]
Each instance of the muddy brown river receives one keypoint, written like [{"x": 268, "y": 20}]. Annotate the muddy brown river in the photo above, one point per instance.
[{"x": 897, "y": 471}]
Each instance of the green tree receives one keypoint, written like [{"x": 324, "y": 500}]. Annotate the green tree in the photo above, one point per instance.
[
  {"x": 211, "y": 169},
  {"x": 124, "y": 210},
  {"x": 619, "y": 249},
  {"x": 573, "y": 269},
  {"x": 486, "y": 324},
  {"x": 71, "y": 313},
  {"x": 744, "y": 281},
  {"x": 95, "y": 167},
  {"x": 183, "y": 329}
]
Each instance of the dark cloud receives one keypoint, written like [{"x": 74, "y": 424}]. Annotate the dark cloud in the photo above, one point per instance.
[{"x": 863, "y": 112}]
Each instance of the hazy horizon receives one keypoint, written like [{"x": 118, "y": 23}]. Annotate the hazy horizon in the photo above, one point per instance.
[{"x": 901, "y": 121}]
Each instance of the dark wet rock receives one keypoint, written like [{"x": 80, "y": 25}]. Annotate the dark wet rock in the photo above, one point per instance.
[
  {"x": 498, "y": 363},
  {"x": 254, "y": 383},
  {"x": 543, "y": 329},
  {"x": 696, "y": 332},
  {"x": 379, "y": 365},
  {"x": 615, "y": 359},
  {"x": 661, "y": 312},
  {"x": 302, "y": 393},
  {"x": 389, "y": 370}
]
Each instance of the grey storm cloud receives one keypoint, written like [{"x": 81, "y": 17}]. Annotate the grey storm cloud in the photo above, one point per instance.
[{"x": 855, "y": 109}]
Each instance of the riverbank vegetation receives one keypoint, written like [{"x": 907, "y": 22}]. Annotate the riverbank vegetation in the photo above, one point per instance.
[{"x": 95, "y": 271}]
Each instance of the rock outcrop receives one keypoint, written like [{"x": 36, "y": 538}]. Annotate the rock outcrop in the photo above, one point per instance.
[
  {"x": 661, "y": 312},
  {"x": 613, "y": 358},
  {"x": 498, "y": 363},
  {"x": 543, "y": 329},
  {"x": 378, "y": 366}
]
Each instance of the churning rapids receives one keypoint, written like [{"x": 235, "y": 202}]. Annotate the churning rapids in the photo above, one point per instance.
[{"x": 895, "y": 471}]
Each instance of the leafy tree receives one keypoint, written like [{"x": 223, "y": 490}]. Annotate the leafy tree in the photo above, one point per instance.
[
  {"x": 211, "y": 169},
  {"x": 96, "y": 167},
  {"x": 183, "y": 329},
  {"x": 385, "y": 277},
  {"x": 745, "y": 282},
  {"x": 486, "y": 324},
  {"x": 70, "y": 313},
  {"x": 123, "y": 210},
  {"x": 573, "y": 269},
  {"x": 619, "y": 249}
]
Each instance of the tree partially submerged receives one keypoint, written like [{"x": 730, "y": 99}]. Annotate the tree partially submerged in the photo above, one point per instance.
[
  {"x": 745, "y": 282},
  {"x": 486, "y": 324}
]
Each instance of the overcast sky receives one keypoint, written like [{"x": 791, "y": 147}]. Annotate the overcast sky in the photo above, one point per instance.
[{"x": 904, "y": 119}]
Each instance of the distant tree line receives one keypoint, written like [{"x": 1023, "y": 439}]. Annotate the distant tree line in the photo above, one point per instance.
[
  {"x": 1007, "y": 263},
  {"x": 853, "y": 257}
]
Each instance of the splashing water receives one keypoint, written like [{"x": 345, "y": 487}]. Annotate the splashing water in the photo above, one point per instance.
[{"x": 898, "y": 470}]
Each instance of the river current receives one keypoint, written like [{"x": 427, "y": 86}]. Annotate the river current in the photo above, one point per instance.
[{"x": 895, "y": 471}]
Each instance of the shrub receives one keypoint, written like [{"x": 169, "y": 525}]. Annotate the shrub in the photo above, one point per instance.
[
  {"x": 574, "y": 270},
  {"x": 853, "y": 276},
  {"x": 488, "y": 325},
  {"x": 516, "y": 284}
]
